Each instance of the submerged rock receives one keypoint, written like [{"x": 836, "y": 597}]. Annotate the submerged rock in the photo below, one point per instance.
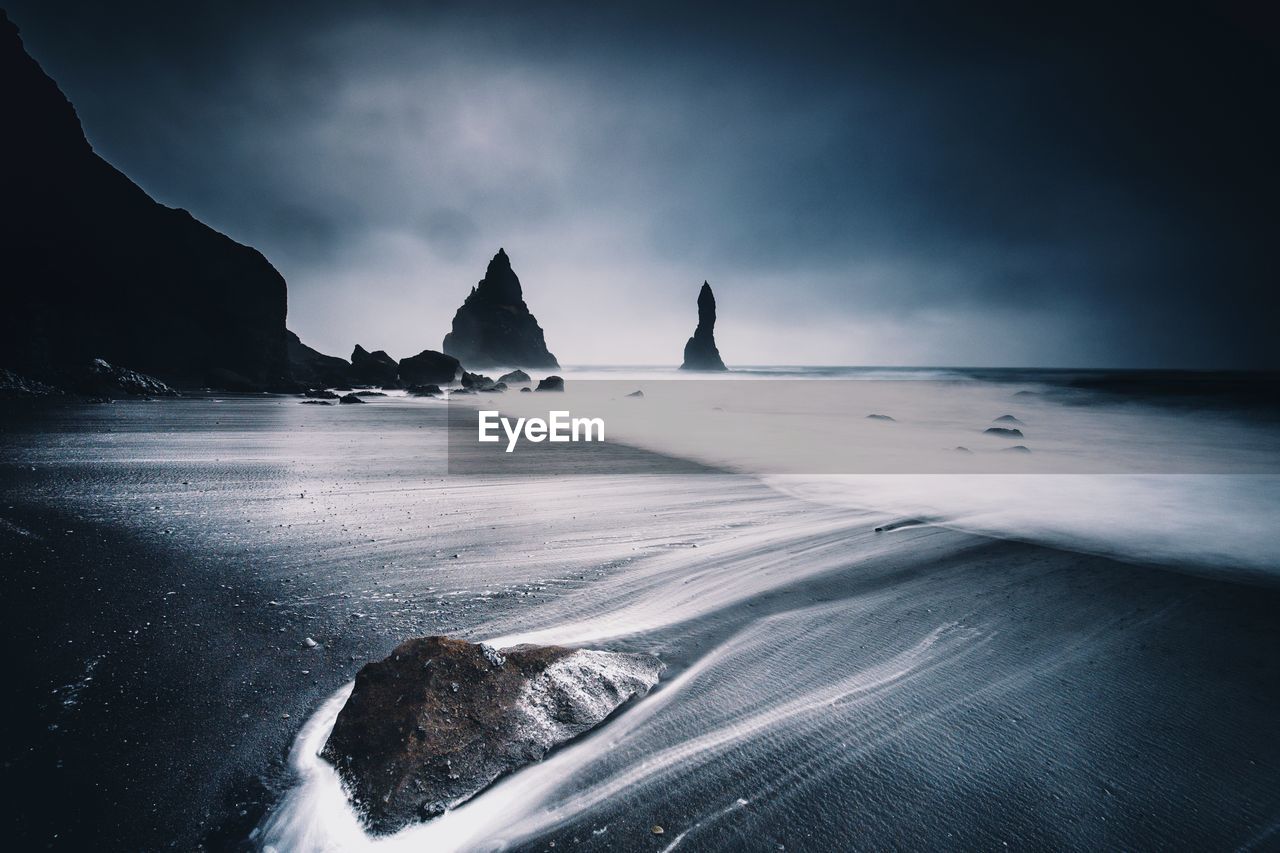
[
  {"x": 494, "y": 325},
  {"x": 1003, "y": 432},
  {"x": 1008, "y": 419},
  {"x": 349, "y": 399},
  {"x": 700, "y": 352},
  {"x": 636, "y": 394},
  {"x": 440, "y": 719},
  {"x": 551, "y": 383},
  {"x": 879, "y": 417},
  {"x": 429, "y": 366}
]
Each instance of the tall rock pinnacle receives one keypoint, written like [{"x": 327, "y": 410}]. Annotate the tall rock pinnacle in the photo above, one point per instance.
[
  {"x": 700, "y": 352},
  {"x": 494, "y": 327}
]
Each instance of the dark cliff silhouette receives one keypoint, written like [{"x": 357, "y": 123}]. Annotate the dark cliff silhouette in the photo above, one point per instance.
[
  {"x": 494, "y": 327},
  {"x": 700, "y": 352},
  {"x": 313, "y": 369},
  {"x": 94, "y": 267}
]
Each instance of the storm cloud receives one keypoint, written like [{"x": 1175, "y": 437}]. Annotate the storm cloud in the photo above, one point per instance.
[{"x": 982, "y": 186}]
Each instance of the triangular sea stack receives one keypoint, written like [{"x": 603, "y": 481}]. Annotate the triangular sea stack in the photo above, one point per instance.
[{"x": 494, "y": 327}]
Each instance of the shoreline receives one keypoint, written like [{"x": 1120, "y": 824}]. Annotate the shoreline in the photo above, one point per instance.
[{"x": 1080, "y": 644}]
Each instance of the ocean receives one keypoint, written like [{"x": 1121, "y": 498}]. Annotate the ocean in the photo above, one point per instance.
[{"x": 872, "y": 640}]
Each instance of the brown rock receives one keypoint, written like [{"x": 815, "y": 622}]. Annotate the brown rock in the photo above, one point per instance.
[{"x": 440, "y": 719}]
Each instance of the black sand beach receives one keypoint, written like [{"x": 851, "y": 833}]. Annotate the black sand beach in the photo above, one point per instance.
[{"x": 166, "y": 564}]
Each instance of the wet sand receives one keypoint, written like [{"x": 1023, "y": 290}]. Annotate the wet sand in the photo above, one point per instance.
[{"x": 828, "y": 686}]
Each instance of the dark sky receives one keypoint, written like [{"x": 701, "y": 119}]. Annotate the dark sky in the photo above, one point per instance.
[{"x": 975, "y": 184}]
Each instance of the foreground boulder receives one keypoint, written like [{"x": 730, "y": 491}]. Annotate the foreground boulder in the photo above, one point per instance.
[
  {"x": 429, "y": 367},
  {"x": 440, "y": 719},
  {"x": 515, "y": 377},
  {"x": 700, "y": 352},
  {"x": 494, "y": 325}
]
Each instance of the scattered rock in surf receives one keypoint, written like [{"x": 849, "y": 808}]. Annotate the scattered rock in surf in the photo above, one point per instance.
[
  {"x": 370, "y": 394},
  {"x": 961, "y": 449},
  {"x": 374, "y": 368},
  {"x": 440, "y": 719},
  {"x": 104, "y": 380},
  {"x": 515, "y": 377},
  {"x": 526, "y": 390},
  {"x": 879, "y": 418},
  {"x": 1017, "y": 448},
  {"x": 636, "y": 394},
  {"x": 898, "y": 525},
  {"x": 476, "y": 381},
  {"x": 319, "y": 394},
  {"x": 312, "y": 367},
  {"x": 1008, "y": 419},
  {"x": 12, "y": 385},
  {"x": 350, "y": 398},
  {"x": 1003, "y": 432},
  {"x": 428, "y": 390},
  {"x": 316, "y": 402},
  {"x": 551, "y": 383},
  {"x": 429, "y": 366}
]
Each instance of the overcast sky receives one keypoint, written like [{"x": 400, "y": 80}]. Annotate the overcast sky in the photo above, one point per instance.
[{"x": 929, "y": 186}]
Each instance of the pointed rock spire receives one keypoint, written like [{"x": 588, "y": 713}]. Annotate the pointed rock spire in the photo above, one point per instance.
[
  {"x": 494, "y": 327},
  {"x": 700, "y": 353}
]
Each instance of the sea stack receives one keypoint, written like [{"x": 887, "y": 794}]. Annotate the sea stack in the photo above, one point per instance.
[
  {"x": 700, "y": 352},
  {"x": 494, "y": 327}
]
